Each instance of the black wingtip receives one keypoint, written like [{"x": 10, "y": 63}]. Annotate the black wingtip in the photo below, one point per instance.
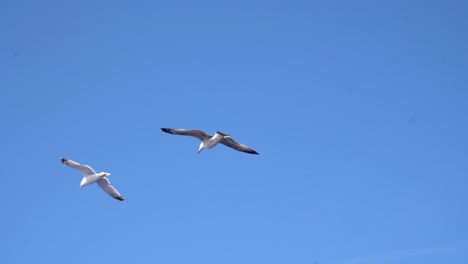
[
  {"x": 63, "y": 160},
  {"x": 167, "y": 130},
  {"x": 250, "y": 151},
  {"x": 120, "y": 199}
]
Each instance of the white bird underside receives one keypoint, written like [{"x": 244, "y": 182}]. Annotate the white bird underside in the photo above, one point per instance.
[
  {"x": 90, "y": 177},
  {"x": 211, "y": 141}
]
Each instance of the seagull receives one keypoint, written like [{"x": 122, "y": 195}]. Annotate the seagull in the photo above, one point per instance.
[
  {"x": 209, "y": 141},
  {"x": 90, "y": 177}
]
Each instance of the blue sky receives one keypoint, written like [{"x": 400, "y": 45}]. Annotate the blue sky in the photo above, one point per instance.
[{"x": 358, "y": 110}]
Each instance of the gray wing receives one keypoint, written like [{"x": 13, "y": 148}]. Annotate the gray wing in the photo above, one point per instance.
[
  {"x": 85, "y": 169},
  {"x": 188, "y": 132},
  {"x": 104, "y": 183},
  {"x": 227, "y": 141}
]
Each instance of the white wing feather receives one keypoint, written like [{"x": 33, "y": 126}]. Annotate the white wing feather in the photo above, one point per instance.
[
  {"x": 230, "y": 142},
  {"x": 104, "y": 183},
  {"x": 188, "y": 132},
  {"x": 85, "y": 169}
]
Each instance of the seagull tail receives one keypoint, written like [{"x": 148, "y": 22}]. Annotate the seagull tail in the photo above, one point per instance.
[
  {"x": 222, "y": 134},
  {"x": 104, "y": 174}
]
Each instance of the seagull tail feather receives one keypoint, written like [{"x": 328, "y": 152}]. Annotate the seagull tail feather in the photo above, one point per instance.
[{"x": 222, "y": 134}]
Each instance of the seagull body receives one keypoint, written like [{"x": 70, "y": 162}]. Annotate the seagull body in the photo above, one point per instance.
[
  {"x": 208, "y": 141},
  {"x": 90, "y": 177}
]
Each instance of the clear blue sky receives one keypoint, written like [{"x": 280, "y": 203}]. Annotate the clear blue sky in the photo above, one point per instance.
[{"x": 359, "y": 112}]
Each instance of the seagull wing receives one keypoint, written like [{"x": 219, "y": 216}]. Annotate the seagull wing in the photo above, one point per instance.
[
  {"x": 227, "y": 141},
  {"x": 85, "y": 169},
  {"x": 188, "y": 132},
  {"x": 104, "y": 183}
]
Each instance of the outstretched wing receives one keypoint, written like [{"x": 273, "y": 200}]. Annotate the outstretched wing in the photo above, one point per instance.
[
  {"x": 104, "y": 183},
  {"x": 188, "y": 132},
  {"x": 227, "y": 141},
  {"x": 85, "y": 169}
]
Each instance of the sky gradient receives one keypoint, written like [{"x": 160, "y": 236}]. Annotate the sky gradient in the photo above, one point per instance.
[{"x": 358, "y": 110}]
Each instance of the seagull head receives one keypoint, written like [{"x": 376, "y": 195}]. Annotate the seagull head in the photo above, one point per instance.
[
  {"x": 83, "y": 183},
  {"x": 202, "y": 147}
]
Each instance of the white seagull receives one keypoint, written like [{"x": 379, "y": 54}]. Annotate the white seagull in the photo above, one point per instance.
[
  {"x": 90, "y": 177},
  {"x": 209, "y": 141}
]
